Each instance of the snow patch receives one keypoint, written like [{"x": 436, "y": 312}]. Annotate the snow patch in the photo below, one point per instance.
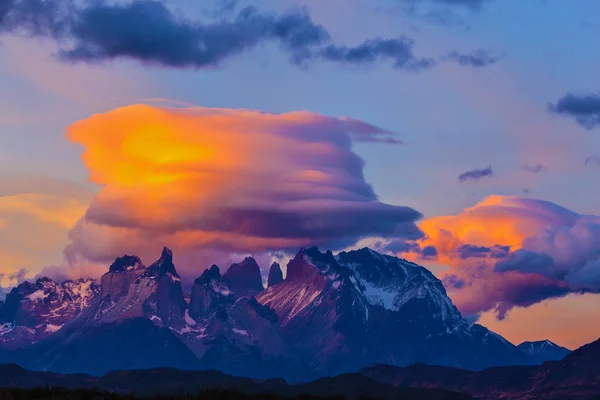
[
  {"x": 379, "y": 296},
  {"x": 53, "y": 328},
  {"x": 188, "y": 320},
  {"x": 37, "y": 295},
  {"x": 240, "y": 332},
  {"x": 220, "y": 287},
  {"x": 5, "y": 328}
]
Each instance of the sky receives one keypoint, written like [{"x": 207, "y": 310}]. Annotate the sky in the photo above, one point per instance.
[{"x": 460, "y": 134}]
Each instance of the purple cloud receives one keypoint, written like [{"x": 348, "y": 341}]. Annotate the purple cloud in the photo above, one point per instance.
[
  {"x": 476, "y": 174},
  {"x": 537, "y": 168},
  {"x": 584, "y": 108},
  {"x": 478, "y": 58}
]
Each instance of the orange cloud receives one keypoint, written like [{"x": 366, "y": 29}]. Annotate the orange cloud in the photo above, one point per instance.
[
  {"x": 35, "y": 216},
  {"x": 511, "y": 251},
  {"x": 228, "y": 180}
]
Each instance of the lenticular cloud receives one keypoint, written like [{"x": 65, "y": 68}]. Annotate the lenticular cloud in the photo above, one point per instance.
[
  {"x": 510, "y": 251},
  {"x": 227, "y": 180}
]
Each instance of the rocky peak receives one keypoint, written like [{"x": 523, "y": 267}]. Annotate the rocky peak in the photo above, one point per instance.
[
  {"x": 210, "y": 292},
  {"x": 244, "y": 278},
  {"x": 126, "y": 264},
  {"x": 120, "y": 276},
  {"x": 209, "y": 275},
  {"x": 275, "y": 275},
  {"x": 163, "y": 266},
  {"x": 308, "y": 266},
  {"x": 544, "y": 350}
]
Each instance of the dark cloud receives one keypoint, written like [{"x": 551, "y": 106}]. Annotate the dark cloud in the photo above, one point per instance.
[
  {"x": 526, "y": 261},
  {"x": 592, "y": 160},
  {"x": 471, "y": 251},
  {"x": 528, "y": 294},
  {"x": 584, "y": 108},
  {"x": 534, "y": 168},
  {"x": 429, "y": 251},
  {"x": 476, "y": 174},
  {"x": 453, "y": 281},
  {"x": 398, "y": 50},
  {"x": 34, "y": 17},
  {"x": 478, "y": 58},
  {"x": 402, "y": 245},
  {"x": 396, "y": 246},
  {"x": 150, "y": 32},
  {"x": 586, "y": 277}
]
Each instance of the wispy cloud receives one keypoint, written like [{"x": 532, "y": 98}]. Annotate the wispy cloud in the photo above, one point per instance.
[
  {"x": 537, "y": 168},
  {"x": 476, "y": 174}
]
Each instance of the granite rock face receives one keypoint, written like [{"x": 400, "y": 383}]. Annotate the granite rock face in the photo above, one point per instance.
[
  {"x": 275, "y": 275},
  {"x": 244, "y": 278}
]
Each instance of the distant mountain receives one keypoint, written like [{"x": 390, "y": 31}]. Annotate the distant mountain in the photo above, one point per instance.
[
  {"x": 543, "y": 350},
  {"x": 33, "y": 311},
  {"x": 576, "y": 376},
  {"x": 331, "y": 314},
  {"x": 172, "y": 382}
]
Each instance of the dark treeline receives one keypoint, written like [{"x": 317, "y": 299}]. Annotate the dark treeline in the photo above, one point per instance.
[{"x": 89, "y": 394}]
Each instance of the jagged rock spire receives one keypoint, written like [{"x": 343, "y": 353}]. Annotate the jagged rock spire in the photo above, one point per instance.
[
  {"x": 244, "y": 278},
  {"x": 275, "y": 274}
]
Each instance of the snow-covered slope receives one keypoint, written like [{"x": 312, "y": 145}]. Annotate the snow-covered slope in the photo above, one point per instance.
[
  {"x": 361, "y": 308},
  {"x": 544, "y": 350},
  {"x": 33, "y": 311}
]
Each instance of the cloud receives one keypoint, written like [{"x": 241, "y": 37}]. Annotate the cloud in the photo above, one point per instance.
[
  {"x": 512, "y": 251},
  {"x": 34, "y": 17},
  {"x": 403, "y": 246},
  {"x": 470, "y": 251},
  {"x": 537, "y": 168},
  {"x": 470, "y": 4},
  {"x": 36, "y": 214},
  {"x": 478, "y": 58},
  {"x": 474, "y": 4},
  {"x": 584, "y": 108},
  {"x": 2, "y": 291},
  {"x": 592, "y": 160},
  {"x": 476, "y": 174},
  {"x": 149, "y": 32},
  {"x": 19, "y": 276},
  {"x": 223, "y": 180},
  {"x": 398, "y": 50}
]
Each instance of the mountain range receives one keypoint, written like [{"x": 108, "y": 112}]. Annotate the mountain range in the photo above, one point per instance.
[
  {"x": 576, "y": 376},
  {"x": 331, "y": 314}
]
